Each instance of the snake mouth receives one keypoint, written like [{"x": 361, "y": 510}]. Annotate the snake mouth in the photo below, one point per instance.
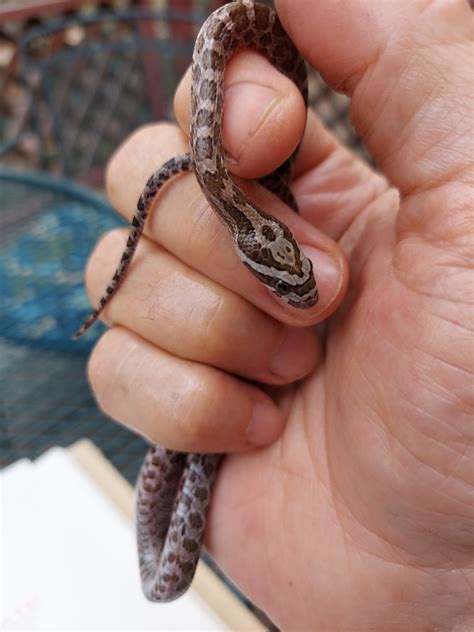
[
  {"x": 301, "y": 295},
  {"x": 306, "y": 301}
]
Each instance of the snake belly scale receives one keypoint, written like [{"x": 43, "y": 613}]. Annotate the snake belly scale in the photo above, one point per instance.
[{"x": 174, "y": 488}]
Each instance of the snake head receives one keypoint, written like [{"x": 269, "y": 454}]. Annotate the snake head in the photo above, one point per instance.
[
  {"x": 276, "y": 260},
  {"x": 297, "y": 289}
]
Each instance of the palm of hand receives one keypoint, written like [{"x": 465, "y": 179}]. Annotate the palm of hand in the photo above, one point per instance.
[{"x": 366, "y": 467}]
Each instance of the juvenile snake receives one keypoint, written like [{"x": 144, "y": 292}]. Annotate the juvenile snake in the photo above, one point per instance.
[{"x": 173, "y": 488}]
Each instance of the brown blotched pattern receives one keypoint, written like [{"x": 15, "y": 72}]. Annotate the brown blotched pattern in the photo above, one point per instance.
[
  {"x": 173, "y": 493},
  {"x": 173, "y": 489}
]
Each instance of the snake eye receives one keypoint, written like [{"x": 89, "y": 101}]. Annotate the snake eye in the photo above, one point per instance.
[{"x": 282, "y": 288}]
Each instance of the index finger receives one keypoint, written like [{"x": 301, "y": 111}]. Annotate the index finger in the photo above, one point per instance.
[
  {"x": 264, "y": 115},
  {"x": 182, "y": 221}
]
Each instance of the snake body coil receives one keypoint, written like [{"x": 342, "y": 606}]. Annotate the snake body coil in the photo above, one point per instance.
[{"x": 173, "y": 489}]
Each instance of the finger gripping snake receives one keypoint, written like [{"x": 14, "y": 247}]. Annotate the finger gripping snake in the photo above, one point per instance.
[{"x": 174, "y": 488}]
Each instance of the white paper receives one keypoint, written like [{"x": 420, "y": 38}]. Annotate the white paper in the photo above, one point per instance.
[{"x": 69, "y": 557}]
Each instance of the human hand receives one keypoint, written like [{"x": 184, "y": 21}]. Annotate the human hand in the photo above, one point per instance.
[{"x": 360, "y": 515}]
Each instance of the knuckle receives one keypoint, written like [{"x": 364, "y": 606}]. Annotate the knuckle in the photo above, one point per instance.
[
  {"x": 101, "y": 367},
  {"x": 197, "y": 422},
  {"x": 143, "y": 142},
  {"x": 195, "y": 411},
  {"x": 112, "y": 240},
  {"x": 139, "y": 138},
  {"x": 212, "y": 325},
  {"x": 102, "y": 259},
  {"x": 205, "y": 230},
  {"x": 205, "y": 233},
  {"x": 144, "y": 133},
  {"x": 98, "y": 365}
]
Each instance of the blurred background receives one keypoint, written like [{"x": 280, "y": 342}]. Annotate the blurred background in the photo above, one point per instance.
[{"x": 76, "y": 77}]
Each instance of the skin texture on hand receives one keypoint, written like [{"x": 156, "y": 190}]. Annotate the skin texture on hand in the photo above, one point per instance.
[{"x": 356, "y": 513}]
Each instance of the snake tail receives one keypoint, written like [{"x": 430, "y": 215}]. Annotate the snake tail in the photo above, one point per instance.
[{"x": 171, "y": 168}]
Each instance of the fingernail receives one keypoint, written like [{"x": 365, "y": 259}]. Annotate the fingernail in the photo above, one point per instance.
[
  {"x": 328, "y": 273},
  {"x": 266, "y": 424},
  {"x": 296, "y": 355},
  {"x": 247, "y": 109}
]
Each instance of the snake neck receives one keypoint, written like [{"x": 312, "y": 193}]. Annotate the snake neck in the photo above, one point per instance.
[{"x": 235, "y": 26}]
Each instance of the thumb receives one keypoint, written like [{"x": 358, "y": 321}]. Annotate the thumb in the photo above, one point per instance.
[
  {"x": 407, "y": 64},
  {"x": 408, "y": 67}
]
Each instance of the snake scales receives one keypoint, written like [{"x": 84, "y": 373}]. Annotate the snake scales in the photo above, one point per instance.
[{"x": 173, "y": 488}]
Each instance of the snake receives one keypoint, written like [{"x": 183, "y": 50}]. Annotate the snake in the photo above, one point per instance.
[{"x": 173, "y": 489}]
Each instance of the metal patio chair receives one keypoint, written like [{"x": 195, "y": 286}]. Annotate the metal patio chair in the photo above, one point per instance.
[{"x": 89, "y": 81}]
